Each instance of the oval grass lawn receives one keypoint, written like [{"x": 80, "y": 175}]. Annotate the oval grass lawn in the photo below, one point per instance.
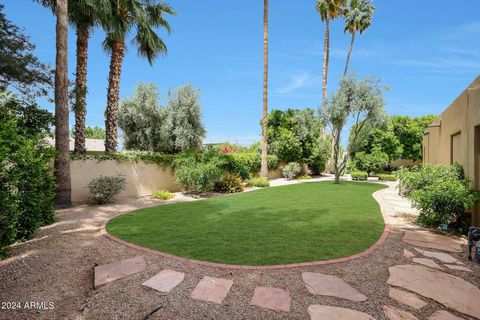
[{"x": 296, "y": 223}]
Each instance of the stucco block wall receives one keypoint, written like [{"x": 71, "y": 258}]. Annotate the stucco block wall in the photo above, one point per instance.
[
  {"x": 457, "y": 127},
  {"x": 142, "y": 179}
]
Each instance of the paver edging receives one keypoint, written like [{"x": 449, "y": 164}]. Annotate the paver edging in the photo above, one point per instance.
[{"x": 376, "y": 245}]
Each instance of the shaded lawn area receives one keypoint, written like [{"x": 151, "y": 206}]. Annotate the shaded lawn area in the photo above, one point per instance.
[{"x": 296, "y": 223}]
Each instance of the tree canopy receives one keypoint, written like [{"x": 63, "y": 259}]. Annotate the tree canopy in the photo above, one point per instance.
[
  {"x": 296, "y": 135},
  {"x": 401, "y": 138},
  {"x": 359, "y": 100},
  {"x": 20, "y": 69},
  {"x": 148, "y": 126}
]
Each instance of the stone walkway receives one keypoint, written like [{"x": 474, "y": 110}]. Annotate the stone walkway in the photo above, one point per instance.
[{"x": 415, "y": 274}]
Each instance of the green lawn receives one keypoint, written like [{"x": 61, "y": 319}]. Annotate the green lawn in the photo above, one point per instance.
[{"x": 296, "y": 223}]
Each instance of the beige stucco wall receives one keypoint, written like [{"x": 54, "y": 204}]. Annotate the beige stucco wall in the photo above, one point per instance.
[
  {"x": 142, "y": 178},
  {"x": 461, "y": 117}
]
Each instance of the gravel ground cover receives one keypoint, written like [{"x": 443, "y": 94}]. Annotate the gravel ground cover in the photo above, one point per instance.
[{"x": 57, "y": 266}]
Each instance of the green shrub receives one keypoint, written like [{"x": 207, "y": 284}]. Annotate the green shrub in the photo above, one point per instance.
[
  {"x": 304, "y": 177},
  {"x": 418, "y": 178},
  {"x": 27, "y": 186},
  {"x": 291, "y": 170},
  {"x": 371, "y": 163},
  {"x": 163, "y": 195},
  {"x": 199, "y": 172},
  {"x": 248, "y": 164},
  {"x": 359, "y": 176},
  {"x": 104, "y": 189},
  {"x": 229, "y": 184},
  {"x": 442, "y": 202},
  {"x": 441, "y": 193},
  {"x": 387, "y": 177},
  {"x": 259, "y": 182}
]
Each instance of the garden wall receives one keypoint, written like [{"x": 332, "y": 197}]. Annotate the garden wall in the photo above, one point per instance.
[{"x": 142, "y": 178}]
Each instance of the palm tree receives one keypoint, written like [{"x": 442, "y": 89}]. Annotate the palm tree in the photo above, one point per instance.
[
  {"x": 143, "y": 16},
  {"x": 62, "y": 161},
  {"x": 328, "y": 10},
  {"x": 83, "y": 15},
  {"x": 358, "y": 17},
  {"x": 264, "y": 164}
]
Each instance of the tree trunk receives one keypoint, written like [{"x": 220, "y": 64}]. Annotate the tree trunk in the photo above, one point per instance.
[
  {"x": 81, "y": 89},
  {"x": 348, "y": 56},
  {"x": 336, "y": 150},
  {"x": 264, "y": 164},
  {"x": 62, "y": 160},
  {"x": 326, "y": 52},
  {"x": 111, "y": 113}
]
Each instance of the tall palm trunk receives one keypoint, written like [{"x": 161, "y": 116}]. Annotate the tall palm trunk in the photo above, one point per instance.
[
  {"x": 348, "y": 56},
  {"x": 111, "y": 113},
  {"x": 81, "y": 88},
  {"x": 62, "y": 160},
  {"x": 326, "y": 53},
  {"x": 264, "y": 164}
]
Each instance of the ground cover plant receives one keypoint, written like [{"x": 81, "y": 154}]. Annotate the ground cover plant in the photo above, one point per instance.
[{"x": 295, "y": 223}]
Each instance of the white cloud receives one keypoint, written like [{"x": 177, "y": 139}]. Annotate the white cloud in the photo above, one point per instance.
[{"x": 298, "y": 81}]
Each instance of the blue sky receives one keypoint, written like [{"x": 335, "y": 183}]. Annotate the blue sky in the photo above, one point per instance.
[{"x": 427, "y": 56}]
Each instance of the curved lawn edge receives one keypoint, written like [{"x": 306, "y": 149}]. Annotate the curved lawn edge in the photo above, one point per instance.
[{"x": 376, "y": 245}]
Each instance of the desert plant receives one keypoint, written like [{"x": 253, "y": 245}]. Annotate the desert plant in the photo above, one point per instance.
[
  {"x": 163, "y": 195},
  {"x": 104, "y": 189},
  {"x": 359, "y": 175},
  {"x": 259, "y": 182},
  {"x": 291, "y": 170},
  {"x": 230, "y": 183}
]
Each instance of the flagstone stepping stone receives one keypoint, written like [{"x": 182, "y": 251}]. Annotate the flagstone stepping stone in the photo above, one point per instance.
[
  {"x": 319, "y": 312},
  {"x": 407, "y": 298},
  {"x": 446, "y": 258},
  {"x": 211, "y": 289},
  {"x": 407, "y": 254},
  {"x": 427, "y": 262},
  {"x": 447, "y": 289},
  {"x": 457, "y": 267},
  {"x": 427, "y": 239},
  {"x": 443, "y": 315},
  {"x": 165, "y": 280},
  {"x": 327, "y": 285},
  {"x": 271, "y": 298},
  {"x": 392, "y": 313},
  {"x": 113, "y": 271}
]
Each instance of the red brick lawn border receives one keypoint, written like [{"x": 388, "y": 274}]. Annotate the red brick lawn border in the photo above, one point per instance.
[{"x": 376, "y": 245}]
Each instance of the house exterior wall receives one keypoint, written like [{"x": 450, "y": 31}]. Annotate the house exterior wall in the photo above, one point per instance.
[{"x": 452, "y": 137}]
